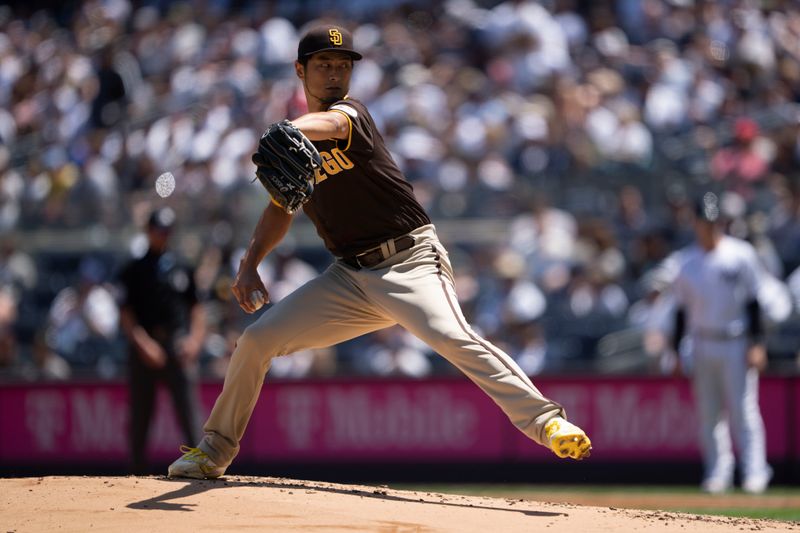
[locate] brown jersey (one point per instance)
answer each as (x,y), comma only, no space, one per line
(361,198)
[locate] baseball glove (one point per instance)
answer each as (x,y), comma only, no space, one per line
(285,163)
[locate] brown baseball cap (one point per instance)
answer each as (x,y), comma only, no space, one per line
(328,37)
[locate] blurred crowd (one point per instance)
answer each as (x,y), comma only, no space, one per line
(586,127)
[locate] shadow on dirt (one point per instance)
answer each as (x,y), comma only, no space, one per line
(190,487)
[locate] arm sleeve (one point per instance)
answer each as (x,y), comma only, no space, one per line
(753,274)
(754,324)
(680,328)
(678,290)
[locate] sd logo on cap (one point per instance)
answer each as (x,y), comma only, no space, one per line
(326,38)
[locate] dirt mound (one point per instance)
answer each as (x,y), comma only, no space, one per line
(156,504)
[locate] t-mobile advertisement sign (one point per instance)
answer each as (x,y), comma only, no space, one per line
(380,421)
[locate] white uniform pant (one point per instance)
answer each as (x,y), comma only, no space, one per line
(413,288)
(726,392)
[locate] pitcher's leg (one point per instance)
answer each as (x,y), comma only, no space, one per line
(420,295)
(327,310)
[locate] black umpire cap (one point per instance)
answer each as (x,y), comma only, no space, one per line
(708,208)
(162,218)
(328,37)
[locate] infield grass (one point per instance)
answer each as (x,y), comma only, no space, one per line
(777,503)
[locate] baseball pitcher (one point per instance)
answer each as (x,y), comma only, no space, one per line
(390,267)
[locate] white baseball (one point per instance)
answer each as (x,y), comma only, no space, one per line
(165,184)
(257,299)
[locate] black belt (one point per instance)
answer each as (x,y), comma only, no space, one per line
(379,254)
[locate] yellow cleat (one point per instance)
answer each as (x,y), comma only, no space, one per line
(195,463)
(567,439)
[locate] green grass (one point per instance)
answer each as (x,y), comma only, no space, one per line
(787,515)
(778,503)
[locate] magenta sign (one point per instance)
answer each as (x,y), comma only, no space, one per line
(375,420)
(642,419)
(628,419)
(63,422)
(649,419)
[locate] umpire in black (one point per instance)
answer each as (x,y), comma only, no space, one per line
(164,323)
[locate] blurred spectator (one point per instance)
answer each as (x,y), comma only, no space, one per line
(109,104)
(393,352)
(511,310)
(287,273)
(666,106)
(17,268)
(650,317)
(742,165)
(784,223)
(11,365)
(17,278)
(48,364)
(480,102)
(83,321)
(546,238)
(631,219)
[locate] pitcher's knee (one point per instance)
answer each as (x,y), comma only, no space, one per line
(256,343)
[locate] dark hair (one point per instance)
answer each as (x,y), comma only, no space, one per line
(304,60)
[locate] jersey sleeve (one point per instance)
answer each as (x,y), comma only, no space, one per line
(753,273)
(680,283)
(361,130)
(670,273)
(678,291)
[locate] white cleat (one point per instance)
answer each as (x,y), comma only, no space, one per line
(757,484)
(567,439)
(196,464)
(715,486)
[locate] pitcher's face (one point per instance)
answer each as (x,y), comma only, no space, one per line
(326,75)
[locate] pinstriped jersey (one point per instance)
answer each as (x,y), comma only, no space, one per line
(361,198)
(715,286)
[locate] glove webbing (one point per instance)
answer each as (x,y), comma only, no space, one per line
(284,141)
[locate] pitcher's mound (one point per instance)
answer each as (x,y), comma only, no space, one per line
(234,503)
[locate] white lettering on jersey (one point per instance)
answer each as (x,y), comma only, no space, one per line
(345,109)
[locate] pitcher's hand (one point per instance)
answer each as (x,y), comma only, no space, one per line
(249,290)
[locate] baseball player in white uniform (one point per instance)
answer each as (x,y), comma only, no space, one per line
(715,293)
